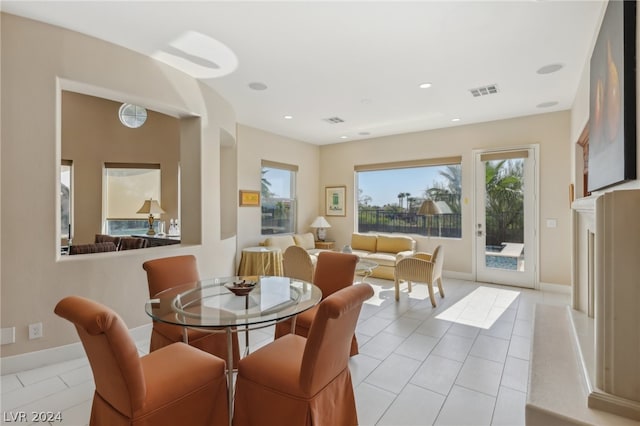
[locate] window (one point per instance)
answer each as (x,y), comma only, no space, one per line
(125,188)
(278,188)
(390,197)
(65,199)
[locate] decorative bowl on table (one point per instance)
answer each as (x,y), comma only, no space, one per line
(241,288)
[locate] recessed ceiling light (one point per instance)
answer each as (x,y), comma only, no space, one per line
(288,117)
(547,104)
(256,85)
(455,119)
(425,85)
(551,68)
(344,137)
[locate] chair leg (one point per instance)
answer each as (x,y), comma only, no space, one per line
(440,287)
(397,285)
(431,296)
(409,286)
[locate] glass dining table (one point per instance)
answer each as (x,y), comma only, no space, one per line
(233,304)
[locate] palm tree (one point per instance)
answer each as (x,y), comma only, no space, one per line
(505,198)
(265,185)
(400,197)
(449,192)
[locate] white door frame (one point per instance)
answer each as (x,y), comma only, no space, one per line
(535,243)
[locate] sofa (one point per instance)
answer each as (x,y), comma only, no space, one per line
(306,241)
(385,250)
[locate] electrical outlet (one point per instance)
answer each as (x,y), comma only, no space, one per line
(35,331)
(8,335)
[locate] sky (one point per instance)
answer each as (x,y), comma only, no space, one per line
(383,186)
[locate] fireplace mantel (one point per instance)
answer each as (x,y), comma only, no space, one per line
(606,286)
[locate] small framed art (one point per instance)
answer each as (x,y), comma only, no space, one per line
(335,200)
(249,198)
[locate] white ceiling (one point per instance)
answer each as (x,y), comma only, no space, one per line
(360,61)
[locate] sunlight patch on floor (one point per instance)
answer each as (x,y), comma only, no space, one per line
(481,308)
(384,290)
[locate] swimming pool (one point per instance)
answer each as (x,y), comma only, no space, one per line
(499,262)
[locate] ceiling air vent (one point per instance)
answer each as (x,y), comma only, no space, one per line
(333,120)
(484,90)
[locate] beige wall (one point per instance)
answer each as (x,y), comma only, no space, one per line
(550,131)
(93,135)
(38,61)
(256,145)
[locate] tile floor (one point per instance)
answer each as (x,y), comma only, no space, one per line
(463,363)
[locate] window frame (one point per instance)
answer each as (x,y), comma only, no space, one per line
(291,212)
(408,221)
(137,222)
(65,235)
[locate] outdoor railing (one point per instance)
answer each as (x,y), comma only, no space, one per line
(500,228)
(443,225)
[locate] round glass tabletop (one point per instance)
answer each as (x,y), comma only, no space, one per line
(212,303)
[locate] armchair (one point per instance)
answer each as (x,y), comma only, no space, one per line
(421,267)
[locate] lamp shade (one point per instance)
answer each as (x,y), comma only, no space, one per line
(320,222)
(429,207)
(150,206)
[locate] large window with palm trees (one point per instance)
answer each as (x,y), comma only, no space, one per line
(278,189)
(393,197)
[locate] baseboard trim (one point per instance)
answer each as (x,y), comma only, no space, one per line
(30,360)
(555,288)
(457,275)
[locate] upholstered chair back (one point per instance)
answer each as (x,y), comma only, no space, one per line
(92,248)
(334,271)
(326,353)
(112,353)
(104,238)
(132,243)
(297,263)
(168,272)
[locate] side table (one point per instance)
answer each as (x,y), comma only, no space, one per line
(261,261)
(325,245)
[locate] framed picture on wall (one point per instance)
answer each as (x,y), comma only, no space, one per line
(335,197)
(612,123)
(249,198)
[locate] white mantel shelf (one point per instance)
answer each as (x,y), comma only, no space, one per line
(585,204)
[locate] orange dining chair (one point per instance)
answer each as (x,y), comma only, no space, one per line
(334,271)
(167,272)
(423,268)
(301,381)
(174,385)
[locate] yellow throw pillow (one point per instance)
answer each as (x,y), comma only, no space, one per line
(387,244)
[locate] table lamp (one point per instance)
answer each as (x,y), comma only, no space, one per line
(429,208)
(321,224)
(151,207)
